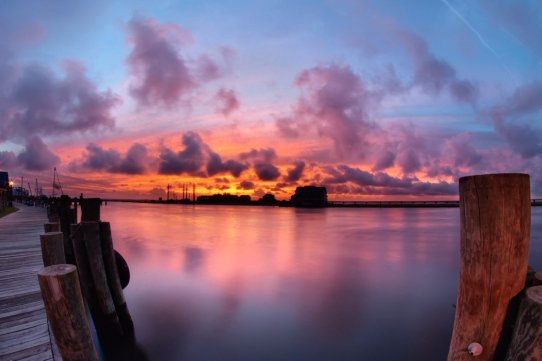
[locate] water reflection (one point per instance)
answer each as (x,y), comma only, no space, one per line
(247,283)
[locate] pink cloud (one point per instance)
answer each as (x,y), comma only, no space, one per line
(512,119)
(135,161)
(227,101)
(337,103)
(161,73)
(432,74)
(37,156)
(197,158)
(39,103)
(295,173)
(207,69)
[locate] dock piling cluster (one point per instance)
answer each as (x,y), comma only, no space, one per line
(92,255)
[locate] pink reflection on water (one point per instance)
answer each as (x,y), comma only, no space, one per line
(246,283)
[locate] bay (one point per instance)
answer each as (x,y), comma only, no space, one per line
(269,283)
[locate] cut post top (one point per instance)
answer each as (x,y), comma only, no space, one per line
(57,270)
(493,175)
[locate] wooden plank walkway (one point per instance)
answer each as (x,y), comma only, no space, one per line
(24,333)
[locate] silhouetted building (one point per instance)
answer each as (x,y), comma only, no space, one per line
(5,190)
(224,199)
(309,196)
(268,199)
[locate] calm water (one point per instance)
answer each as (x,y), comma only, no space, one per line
(255,283)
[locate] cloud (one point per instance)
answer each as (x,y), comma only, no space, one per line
(189,160)
(287,127)
(246,185)
(295,173)
(41,104)
(197,158)
(522,138)
(526,99)
(385,160)
(261,162)
(37,156)
(215,165)
(264,155)
(207,69)
(135,161)
(512,119)
(381,183)
(8,159)
(161,74)
(227,101)
(521,19)
(337,104)
(435,75)
(266,171)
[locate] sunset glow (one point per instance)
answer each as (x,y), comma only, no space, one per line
(372,99)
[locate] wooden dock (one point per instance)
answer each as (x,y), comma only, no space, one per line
(24,332)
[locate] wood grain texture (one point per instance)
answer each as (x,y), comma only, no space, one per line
(23,322)
(52,248)
(495,230)
(51,227)
(61,292)
(527,341)
(113,280)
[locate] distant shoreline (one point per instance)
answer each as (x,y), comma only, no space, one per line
(331,204)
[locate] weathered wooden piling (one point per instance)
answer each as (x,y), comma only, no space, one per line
(527,340)
(91,231)
(64,305)
(51,227)
(52,248)
(90,209)
(495,229)
(114,282)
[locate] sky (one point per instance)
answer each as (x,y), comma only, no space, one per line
(372,99)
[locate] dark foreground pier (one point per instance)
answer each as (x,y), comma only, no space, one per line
(24,333)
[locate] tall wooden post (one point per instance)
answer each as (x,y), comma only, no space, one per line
(52,248)
(51,227)
(90,209)
(64,305)
(114,282)
(495,229)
